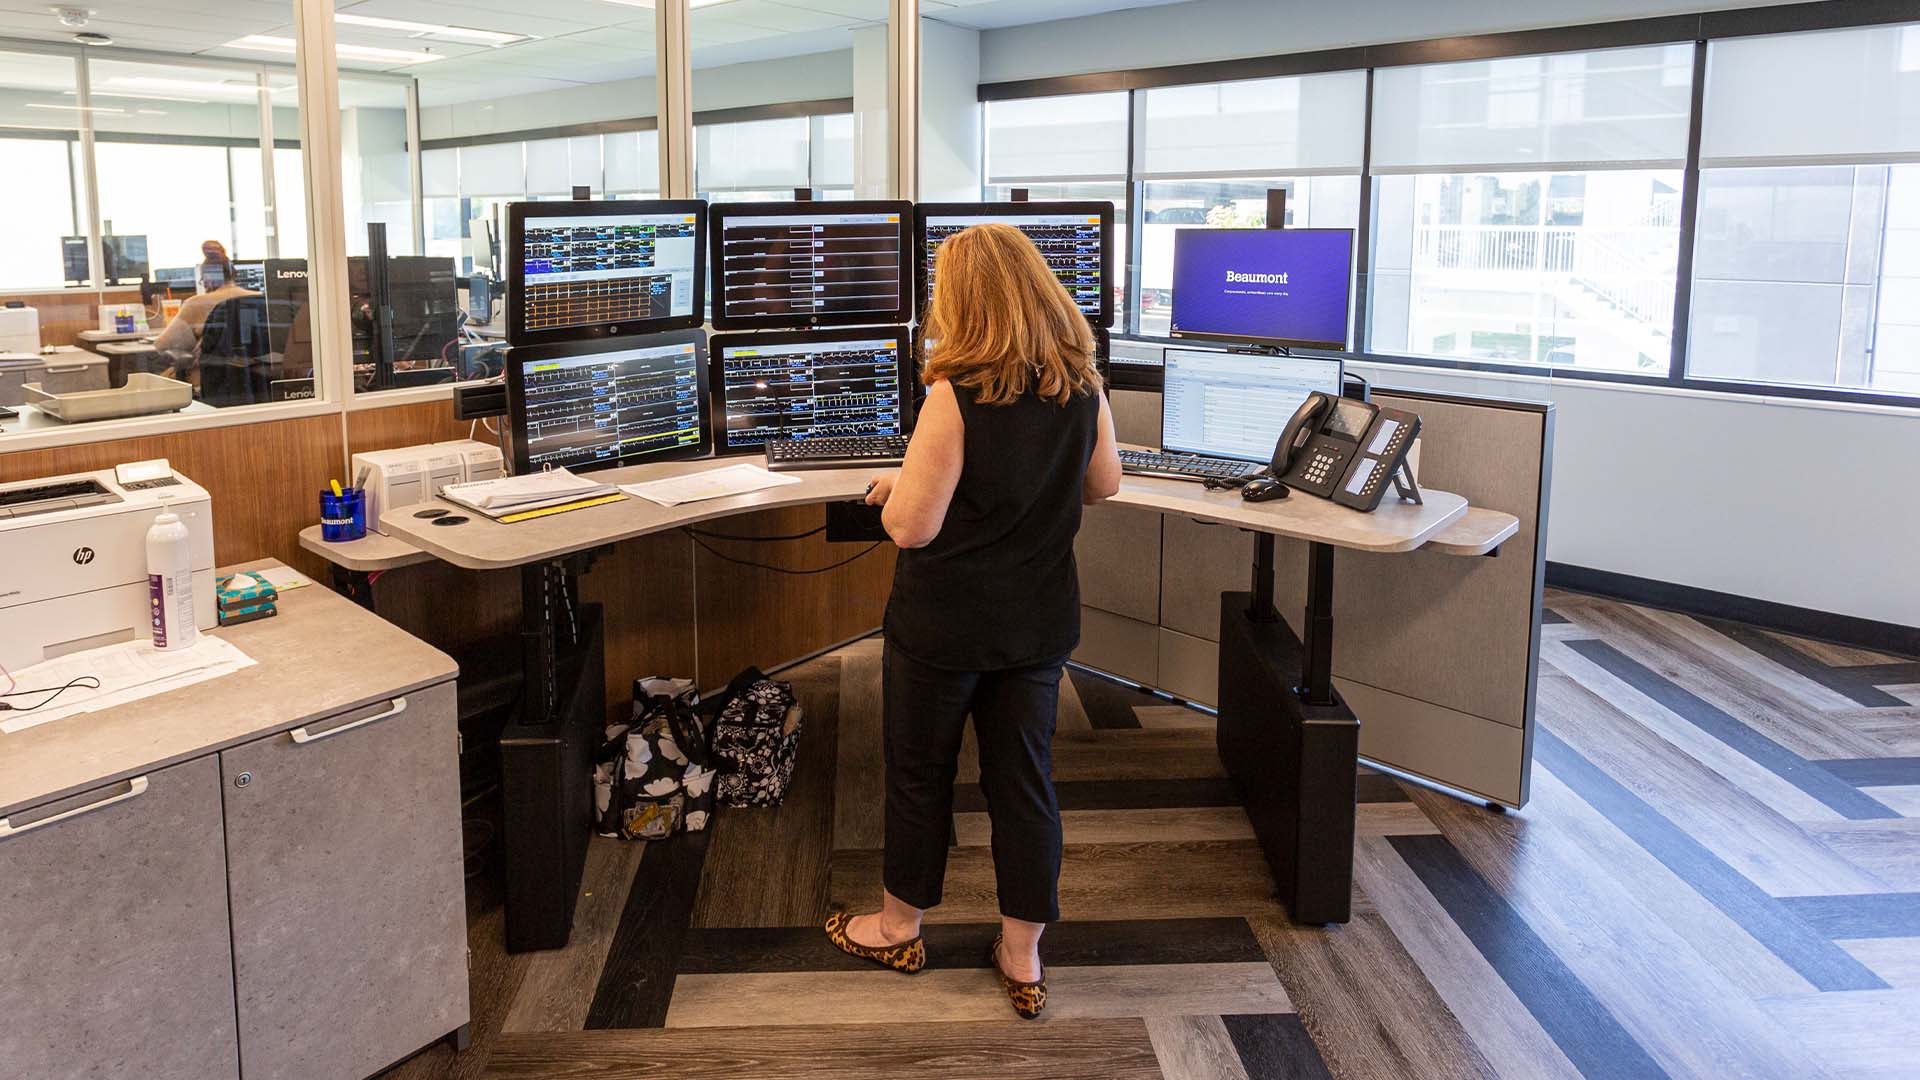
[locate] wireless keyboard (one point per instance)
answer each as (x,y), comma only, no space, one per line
(836,452)
(1185,466)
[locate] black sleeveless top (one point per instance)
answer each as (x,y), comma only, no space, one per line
(998,588)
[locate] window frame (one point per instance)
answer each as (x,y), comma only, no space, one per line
(1696,30)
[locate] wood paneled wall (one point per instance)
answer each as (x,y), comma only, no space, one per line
(265,478)
(65,313)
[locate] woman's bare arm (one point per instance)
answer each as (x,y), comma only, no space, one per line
(916,506)
(1103,469)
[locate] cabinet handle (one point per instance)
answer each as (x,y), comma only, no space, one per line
(302,736)
(135,787)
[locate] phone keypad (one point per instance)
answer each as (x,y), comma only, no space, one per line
(1319,470)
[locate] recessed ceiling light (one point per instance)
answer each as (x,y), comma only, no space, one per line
(285,46)
(74,108)
(247,90)
(140,97)
(92,38)
(495,38)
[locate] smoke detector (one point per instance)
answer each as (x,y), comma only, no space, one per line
(72,17)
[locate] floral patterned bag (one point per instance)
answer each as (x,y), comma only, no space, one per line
(654,777)
(756,740)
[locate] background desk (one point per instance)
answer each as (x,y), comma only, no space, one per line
(261,871)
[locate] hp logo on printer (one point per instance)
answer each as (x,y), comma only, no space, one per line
(82,556)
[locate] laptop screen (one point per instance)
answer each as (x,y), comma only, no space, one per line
(1231,405)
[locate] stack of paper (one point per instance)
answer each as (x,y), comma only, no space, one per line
(126,672)
(514,494)
(709,484)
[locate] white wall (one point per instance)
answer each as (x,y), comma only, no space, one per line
(1220,29)
(1790,502)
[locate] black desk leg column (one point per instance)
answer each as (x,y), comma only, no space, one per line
(1288,740)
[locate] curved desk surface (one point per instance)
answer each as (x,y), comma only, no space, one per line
(482,544)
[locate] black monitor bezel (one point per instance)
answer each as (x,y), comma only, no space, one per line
(518,215)
(716,238)
(716,364)
(1273,342)
(922,279)
(520,356)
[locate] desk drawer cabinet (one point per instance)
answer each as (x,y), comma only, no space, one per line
(349,917)
(114,956)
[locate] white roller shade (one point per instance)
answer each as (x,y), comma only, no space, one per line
(1257,127)
(1614,106)
(1835,94)
(633,162)
(833,150)
(1079,137)
(494,169)
(555,166)
(440,173)
(750,155)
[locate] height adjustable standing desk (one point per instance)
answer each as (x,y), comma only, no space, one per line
(1285,736)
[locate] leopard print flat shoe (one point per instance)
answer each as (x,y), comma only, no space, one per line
(908,957)
(1028,998)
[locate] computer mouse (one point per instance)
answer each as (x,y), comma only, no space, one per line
(1263,489)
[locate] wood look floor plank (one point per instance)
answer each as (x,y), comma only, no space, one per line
(1838,655)
(1897,960)
(1097,881)
(1119,754)
(1513,1043)
(1125,826)
(1071,720)
(1869,1035)
(1762,844)
(878,996)
(1894,732)
(1890,850)
(1194,1048)
(1558,816)
(1764,672)
(1004,1050)
(559,984)
(1172,718)
(767,866)
(1679,1009)
(859,790)
(1730,687)
(1366,1003)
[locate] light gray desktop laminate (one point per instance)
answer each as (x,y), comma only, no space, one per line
(116,960)
(349,924)
(483,544)
(321,655)
(370,554)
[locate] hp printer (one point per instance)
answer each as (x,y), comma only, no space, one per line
(73,560)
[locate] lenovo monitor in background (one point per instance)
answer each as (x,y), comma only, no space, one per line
(1281,287)
(578,270)
(809,384)
(1234,405)
(1076,239)
(802,264)
(602,404)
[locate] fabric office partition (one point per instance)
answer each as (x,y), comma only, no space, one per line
(1435,653)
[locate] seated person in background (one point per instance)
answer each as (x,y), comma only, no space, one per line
(180,341)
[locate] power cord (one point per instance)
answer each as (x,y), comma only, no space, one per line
(724,557)
(743,538)
(85,682)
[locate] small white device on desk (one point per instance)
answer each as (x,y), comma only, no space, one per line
(414,474)
(19,330)
(73,558)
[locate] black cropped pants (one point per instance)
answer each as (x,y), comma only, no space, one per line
(926,710)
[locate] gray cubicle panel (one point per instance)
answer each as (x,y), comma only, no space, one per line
(1435,653)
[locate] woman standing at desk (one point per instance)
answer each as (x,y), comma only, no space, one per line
(1015,437)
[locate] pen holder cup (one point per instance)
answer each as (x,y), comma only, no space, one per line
(343,516)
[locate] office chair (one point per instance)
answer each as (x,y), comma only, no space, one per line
(236,357)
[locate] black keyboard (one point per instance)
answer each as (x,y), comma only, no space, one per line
(836,452)
(1185,466)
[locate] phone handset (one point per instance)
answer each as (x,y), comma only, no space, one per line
(1307,419)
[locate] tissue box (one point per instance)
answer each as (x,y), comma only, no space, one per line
(244,598)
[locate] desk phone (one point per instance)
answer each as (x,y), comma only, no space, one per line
(1345,450)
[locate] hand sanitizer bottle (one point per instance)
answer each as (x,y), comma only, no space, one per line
(170,583)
